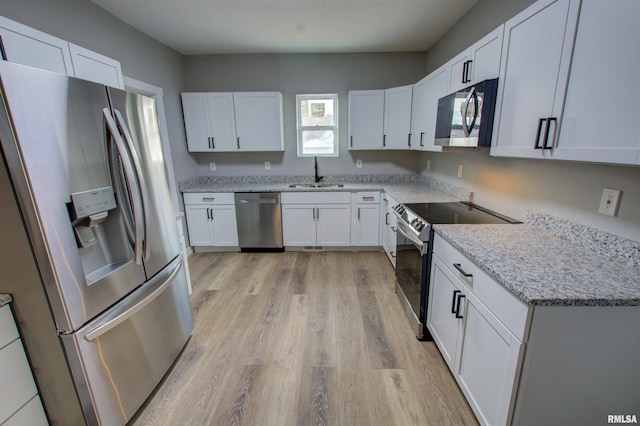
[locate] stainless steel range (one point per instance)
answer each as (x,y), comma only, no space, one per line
(414,249)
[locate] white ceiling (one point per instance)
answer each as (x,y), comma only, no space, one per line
(199,27)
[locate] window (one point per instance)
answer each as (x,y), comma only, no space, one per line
(317,125)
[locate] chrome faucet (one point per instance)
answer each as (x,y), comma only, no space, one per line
(315,166)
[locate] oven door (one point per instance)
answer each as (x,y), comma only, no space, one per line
(411,272)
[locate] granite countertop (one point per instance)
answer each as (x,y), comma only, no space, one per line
(403,189)
(543,269)
(5,299)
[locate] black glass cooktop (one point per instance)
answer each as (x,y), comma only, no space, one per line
(457,213)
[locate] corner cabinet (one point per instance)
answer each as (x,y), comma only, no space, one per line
(536,57)
(366,119)
(365,218)
(313,219)
(211,219)
(233,122)
(479,327)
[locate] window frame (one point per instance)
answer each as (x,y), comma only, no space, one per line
(300,128)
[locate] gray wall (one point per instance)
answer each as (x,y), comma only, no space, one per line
(512,186)
(294,74)
(142,58)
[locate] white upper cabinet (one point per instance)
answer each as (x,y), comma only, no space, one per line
(424,108)
(27,46)
(209,122)
(480,62)
(604,69)
(95,67)
(366,119)
(233,122)
(397,118)
(259,121)
(537,48)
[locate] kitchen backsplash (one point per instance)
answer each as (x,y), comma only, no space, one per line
(614,247)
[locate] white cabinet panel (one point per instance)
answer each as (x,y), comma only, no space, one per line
(480,62)
(198,218)
(316,218)
(95,67)
(366,119)
(209,122)
(334,224)
(298,225)
(224,226)
(536,54)
(8,329)
(32,414)
(365,225)
(397,118)
(436,88)
(17,386)
(259,121)
(603,70)
(211,222)
(27,46)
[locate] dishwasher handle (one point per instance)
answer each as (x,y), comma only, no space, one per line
(258,201)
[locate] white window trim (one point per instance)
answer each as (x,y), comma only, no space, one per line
(300,128)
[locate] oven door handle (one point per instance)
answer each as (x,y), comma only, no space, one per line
(420,245)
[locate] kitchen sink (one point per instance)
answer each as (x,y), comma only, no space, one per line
(316,185)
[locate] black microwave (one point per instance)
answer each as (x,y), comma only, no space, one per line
(465,118)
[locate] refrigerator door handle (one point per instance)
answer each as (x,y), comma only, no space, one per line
(144,192)
(133,188)
(157,285)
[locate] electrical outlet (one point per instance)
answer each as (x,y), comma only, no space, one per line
(609,202)
(358,164)
(212,167)
(267,165)
(460,171)
(428,164)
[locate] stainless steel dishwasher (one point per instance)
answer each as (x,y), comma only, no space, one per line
(259,221)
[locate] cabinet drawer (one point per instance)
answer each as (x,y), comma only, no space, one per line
(508,308)
(8,330)
(209,198)
(368,197)
(315,198)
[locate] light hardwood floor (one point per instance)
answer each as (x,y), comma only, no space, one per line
(301,338)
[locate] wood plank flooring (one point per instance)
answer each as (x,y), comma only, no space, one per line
(301,338)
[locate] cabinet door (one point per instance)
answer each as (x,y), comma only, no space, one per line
(441,321)
(397,117)
(485,57)
(458,72)
(488,363)
(536,51)
(365,225)
(195,108)
(602,72)
(334,224)
(299,224)
(95,67)
(222,122)
(436,88)
(259,121)
(198,225)
(419,113)
(224,225)
(27,46)
(366,119)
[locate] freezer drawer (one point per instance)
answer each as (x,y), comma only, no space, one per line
(119,358)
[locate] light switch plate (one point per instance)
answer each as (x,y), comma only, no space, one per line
(609,202)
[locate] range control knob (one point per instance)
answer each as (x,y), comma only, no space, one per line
(399,208)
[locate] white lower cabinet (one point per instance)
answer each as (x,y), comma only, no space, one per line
(211,219)
(365,219)
(316,219)
(478,327)
(388,227)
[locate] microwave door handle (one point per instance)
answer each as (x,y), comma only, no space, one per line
(133,188)
(476,112)
(464,110)
(144,192)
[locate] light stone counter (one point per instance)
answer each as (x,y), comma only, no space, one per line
(544,269)
(403,188)
(5,299)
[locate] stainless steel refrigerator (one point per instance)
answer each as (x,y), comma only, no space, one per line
(90,247)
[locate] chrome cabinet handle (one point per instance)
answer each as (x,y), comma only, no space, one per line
(462,271)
